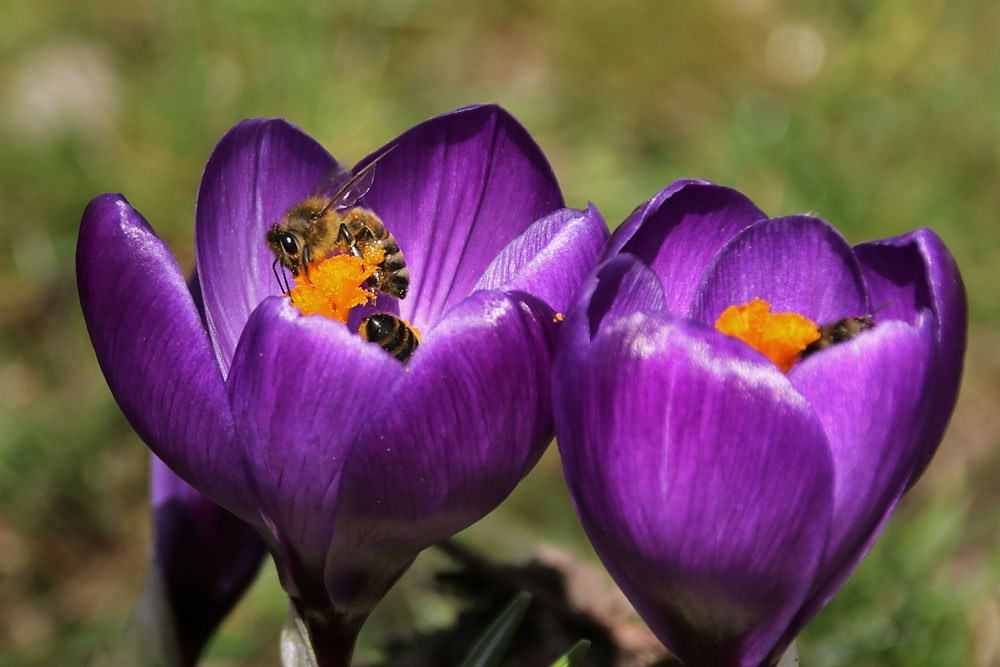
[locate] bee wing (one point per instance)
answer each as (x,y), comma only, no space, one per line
(345,190)
(332,186)
(354,188)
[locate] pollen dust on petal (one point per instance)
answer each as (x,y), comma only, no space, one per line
(780,336)
(333,287)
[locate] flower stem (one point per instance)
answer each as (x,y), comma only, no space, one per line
(332,644)
(317,638)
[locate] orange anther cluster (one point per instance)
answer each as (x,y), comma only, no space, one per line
(333,287)
(780,336)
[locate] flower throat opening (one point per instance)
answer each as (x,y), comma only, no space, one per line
(780,336)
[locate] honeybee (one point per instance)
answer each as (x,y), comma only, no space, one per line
(395,335)
(325,224)
(838,332)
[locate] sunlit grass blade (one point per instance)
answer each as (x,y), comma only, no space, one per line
(574,656)
(491,645)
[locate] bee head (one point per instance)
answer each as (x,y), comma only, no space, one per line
(286,246)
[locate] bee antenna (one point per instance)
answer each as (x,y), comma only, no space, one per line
(354,179)
(282,285)
(274,270)
(881,308)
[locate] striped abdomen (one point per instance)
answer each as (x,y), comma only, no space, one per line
(838,332)
(394,334)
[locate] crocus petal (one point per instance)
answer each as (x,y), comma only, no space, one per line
(208,557)
(619,287)
(867,393)
(301,388)
(678,232)
(871,394)
(906,274)
(258,170)
(454,191)
(551,258)
(615,289)
(715,556)
(445,444)
(798,264)
(153,349)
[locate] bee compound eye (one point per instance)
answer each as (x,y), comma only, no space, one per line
(288,244)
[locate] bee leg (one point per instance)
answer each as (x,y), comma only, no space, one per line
(345,234)
(349,240)
(363,238)
(305,262)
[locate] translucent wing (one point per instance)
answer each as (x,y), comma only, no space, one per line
(345,190)
(332,182)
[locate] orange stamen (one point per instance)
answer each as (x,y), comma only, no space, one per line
(333,287)
(780,336)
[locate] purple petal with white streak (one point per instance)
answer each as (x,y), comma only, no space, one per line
(551,258)
(702,479)
(154,350)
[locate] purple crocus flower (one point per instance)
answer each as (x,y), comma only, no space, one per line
(205,559)
(730,500)
(348,461)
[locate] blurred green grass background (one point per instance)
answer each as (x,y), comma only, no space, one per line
(878,115)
